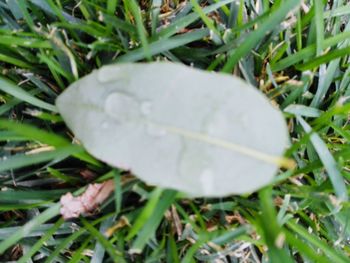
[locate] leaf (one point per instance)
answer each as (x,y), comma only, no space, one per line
(86,203)
(205,134)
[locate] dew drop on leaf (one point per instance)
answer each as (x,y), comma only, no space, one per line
(146,108)
(121,107)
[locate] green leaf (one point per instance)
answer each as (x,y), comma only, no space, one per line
(177,127)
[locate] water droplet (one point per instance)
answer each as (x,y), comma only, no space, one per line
(155,130)
(207,181)
(244,120)
(105,125)
(121,107)
(146,107)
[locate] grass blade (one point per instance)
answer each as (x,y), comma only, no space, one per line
(334,256)
(255,37)
(328,160)
(152,223)
(22,160)
(165,45)
(29,226)
(17,92)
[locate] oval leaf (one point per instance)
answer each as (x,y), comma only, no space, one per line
(173,126)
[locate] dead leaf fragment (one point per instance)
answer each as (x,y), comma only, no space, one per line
(122,222)
(88,174)
(95,194)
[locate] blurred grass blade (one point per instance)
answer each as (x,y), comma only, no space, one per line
(49,233)
(256,36)
(271,230)
(308,52)
(164,45)
(153,222)
(22,160)
(99,250)
(328,160)
(136,12)
(24,42)
(29,226)
(115,255)
(208,22)
(146,213)
(305,250)
(38,195)
(17,92)
(333,255)
(316,62)
(111,6)
(319,25)
(183,22)
(33,133)
(47,6)
(63,229)
(232,234)
(15,61)
(118,196)
(303,110)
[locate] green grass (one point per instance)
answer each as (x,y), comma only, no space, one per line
(297,55)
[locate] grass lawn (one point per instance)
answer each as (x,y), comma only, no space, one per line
(296,53)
